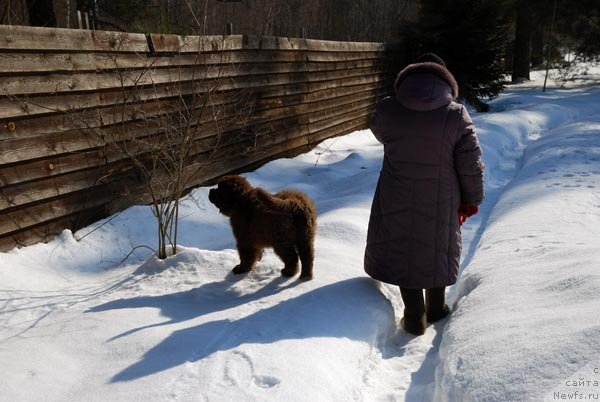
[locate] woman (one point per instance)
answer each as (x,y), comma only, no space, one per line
(431,181)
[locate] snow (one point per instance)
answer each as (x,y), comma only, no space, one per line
(573,74)
(91,316)
(526,321)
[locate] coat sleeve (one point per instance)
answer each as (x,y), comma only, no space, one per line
(467,161)
(376,124)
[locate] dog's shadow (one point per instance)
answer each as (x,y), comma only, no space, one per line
(352,309)
(186,305)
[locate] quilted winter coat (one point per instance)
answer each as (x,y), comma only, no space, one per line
(432,163)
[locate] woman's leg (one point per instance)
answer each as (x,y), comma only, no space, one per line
(435,304)
(414,320)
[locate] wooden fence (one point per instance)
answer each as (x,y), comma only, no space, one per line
(57,86)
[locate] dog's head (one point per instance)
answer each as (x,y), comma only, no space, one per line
(228,193)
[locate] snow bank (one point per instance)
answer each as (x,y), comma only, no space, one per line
(526,323)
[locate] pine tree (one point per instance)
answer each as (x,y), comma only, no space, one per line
(579,23)
(471,36)
(523,36)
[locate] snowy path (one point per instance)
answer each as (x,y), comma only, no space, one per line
(526,327)
(76,325)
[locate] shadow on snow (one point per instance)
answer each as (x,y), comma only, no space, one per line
(352,309)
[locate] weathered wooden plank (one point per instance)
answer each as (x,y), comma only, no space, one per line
(51,166)
(344,82)
(46,231)
(50,147)
(164,43)
(19,220)
(25,105)
(11,108)
(209,76)
(15,196)
(18,63)
(136,112)
(102,165)
(73,104)
(35,127)
(57,39)
(365,104)
(183,44)
(337,46)
(282,124)
(42,234)
(47,145)
(357,121)
(319,107)
(273,97)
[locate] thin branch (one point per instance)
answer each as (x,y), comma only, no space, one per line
(109,220)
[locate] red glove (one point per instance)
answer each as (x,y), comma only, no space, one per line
(466,211)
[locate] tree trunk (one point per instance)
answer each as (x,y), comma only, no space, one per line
(537,47)
(41,13)
(522,45)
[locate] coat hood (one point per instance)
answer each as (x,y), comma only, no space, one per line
(425,86)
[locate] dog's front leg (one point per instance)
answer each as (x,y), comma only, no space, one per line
(248,257)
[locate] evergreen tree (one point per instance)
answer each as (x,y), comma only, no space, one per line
(579,23)
(524,30)
(542,33)
(471,36)
(41,13)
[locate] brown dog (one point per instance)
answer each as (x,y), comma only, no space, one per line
(285,221)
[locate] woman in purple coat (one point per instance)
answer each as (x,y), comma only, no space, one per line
(431,181)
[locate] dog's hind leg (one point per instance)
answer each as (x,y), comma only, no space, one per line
(307,254)
(289,256)
(248,257)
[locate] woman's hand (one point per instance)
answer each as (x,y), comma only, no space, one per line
(466,211)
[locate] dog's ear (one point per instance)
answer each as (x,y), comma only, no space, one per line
(236,185)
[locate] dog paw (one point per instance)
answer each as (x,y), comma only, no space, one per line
(306,277)
(240,269)
(287,272)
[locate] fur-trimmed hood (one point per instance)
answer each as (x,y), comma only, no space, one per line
(425,86)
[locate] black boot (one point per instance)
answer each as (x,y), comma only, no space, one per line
(414,320)
(435,304)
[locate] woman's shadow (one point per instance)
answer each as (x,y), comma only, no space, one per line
(352,309)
